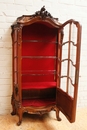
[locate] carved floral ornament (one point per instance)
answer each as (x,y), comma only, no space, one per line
(43,14)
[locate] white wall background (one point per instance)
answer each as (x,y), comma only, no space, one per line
(62,9)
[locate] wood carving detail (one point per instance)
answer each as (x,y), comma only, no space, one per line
(43,14)
(16,89)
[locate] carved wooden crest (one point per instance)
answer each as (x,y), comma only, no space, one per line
(43,14)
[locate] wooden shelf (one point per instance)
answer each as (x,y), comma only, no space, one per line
(39,41)
(40,57)
(38,72)
(38,85)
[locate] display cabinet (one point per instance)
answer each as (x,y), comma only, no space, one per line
(45,62)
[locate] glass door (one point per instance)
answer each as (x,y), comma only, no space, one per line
(68,68)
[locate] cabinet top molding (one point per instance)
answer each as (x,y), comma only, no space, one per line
(42,15)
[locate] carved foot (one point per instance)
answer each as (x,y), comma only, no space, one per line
(19,112)
(19,123)
(59,119)
(13,113)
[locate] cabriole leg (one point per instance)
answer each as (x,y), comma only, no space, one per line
(20,113)
(57,114)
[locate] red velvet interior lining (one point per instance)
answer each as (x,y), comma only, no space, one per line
(38,32)
(38,102)
(36,78)
(38,40)
(38,64)
(39,48)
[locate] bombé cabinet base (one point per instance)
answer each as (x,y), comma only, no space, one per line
(32,110)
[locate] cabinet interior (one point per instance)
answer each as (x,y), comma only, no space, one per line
(39,64)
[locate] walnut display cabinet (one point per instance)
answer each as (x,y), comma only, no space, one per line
(46,58)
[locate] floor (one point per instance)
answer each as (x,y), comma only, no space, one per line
(45,122)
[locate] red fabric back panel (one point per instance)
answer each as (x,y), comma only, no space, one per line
(38,64)
(41,78)
(38,40)
(38,48)
(39,31)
